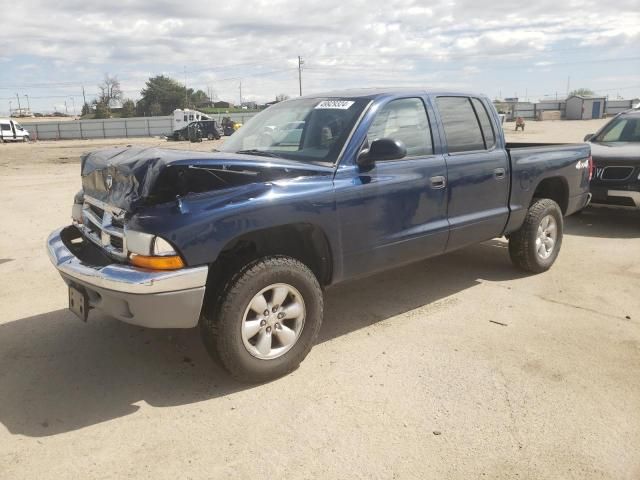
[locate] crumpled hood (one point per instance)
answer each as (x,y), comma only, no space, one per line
(126,177)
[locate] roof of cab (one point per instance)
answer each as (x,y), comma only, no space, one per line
(372,93)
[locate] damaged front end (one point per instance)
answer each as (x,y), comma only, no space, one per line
(118,183)
(123,255)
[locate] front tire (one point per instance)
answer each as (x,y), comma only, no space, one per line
(535,246)
(266,319)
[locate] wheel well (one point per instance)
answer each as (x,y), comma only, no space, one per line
(556,189)
(303,241)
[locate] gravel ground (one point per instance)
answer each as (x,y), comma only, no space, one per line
(456,367)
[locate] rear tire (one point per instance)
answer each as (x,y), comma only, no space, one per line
(228,329)
(535,246)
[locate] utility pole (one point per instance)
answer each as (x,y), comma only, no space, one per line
(66,109)
(10,105)
(300,63)
(19,108)
(240,93)
(28,103)
(186,94)
(568,85)
(73,102)
(84,96)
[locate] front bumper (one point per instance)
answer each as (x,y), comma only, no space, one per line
(616,196)
(156,299)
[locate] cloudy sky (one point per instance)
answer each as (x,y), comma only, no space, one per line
(51,49)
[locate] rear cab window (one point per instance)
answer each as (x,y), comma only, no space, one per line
(466,123)
(485,123)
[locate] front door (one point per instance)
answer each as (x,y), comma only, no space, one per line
(396,212)
(595,110)
(478,172)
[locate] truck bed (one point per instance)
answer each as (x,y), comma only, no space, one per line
(563,167)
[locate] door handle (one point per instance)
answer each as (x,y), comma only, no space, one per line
(438,182)
(499,173)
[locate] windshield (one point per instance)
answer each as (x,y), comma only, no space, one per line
(306,129)
(622,129)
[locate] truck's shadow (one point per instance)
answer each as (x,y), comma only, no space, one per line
(59,375)
(604,223)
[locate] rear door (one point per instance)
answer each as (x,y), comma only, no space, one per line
(396,212)
(478,171)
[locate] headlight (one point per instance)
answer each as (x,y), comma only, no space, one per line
(138,242)
(162,248)
(149,251)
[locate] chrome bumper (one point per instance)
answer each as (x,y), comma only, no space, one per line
(157,299)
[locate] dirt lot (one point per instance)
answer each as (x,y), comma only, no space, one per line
(455,367)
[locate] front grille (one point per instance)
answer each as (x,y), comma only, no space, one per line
(104,225)
(614,173)
(117,243)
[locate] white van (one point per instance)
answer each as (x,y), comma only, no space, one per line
(182,118)
(11,131)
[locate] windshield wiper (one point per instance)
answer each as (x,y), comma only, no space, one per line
(255,151)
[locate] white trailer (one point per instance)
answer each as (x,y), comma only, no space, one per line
(183,117)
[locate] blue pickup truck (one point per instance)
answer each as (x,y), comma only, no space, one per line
(242,242)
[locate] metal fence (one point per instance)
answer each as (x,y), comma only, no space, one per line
(613,107)
(108,128)
(529,110)
(114,127)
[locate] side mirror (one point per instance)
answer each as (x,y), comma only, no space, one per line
(588,136)
(382,149)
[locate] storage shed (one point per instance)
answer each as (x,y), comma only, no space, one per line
(584,108)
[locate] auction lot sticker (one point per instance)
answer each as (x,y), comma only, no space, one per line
(335,104)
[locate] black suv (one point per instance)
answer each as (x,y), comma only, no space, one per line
(616,155)
(196,131)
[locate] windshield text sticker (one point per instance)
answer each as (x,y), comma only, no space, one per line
(335,104)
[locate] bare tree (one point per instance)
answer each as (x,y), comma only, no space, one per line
(281,97)
(110,89)
(585,92)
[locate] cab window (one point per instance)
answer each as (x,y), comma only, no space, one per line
(405,120)
(461,127)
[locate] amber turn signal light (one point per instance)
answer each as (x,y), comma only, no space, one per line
(168,262)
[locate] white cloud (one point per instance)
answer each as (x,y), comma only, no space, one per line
(344,43)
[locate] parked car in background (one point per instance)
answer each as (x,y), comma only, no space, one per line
(11,131)
(242,242)
(616,155)
(196,131)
